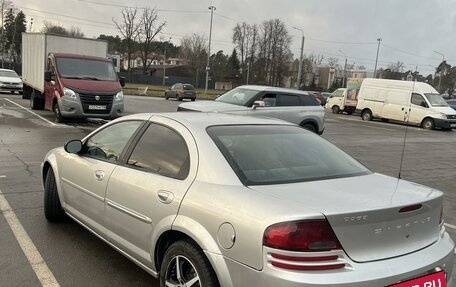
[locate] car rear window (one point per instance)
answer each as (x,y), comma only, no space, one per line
(274,154)
(188,87)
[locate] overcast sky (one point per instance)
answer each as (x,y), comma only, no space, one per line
(411,29)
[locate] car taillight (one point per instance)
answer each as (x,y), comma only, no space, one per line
(307,235)
(308,245)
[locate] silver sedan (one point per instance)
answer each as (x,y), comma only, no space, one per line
(201,199)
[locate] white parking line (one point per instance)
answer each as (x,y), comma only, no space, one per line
(35,114)
(450,226)
(40,267)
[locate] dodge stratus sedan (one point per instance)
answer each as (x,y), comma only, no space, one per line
(204,199)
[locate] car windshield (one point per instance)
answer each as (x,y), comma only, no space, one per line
(188,87)
(436,100)
(274,154)
(86,69)
(8,74)
(238,96)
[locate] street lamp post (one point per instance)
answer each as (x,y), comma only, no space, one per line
(298,84)
(376,58)
(440,74)
(164,62)
(344,83)
(212,8)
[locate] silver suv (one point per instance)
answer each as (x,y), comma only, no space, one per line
(263,101)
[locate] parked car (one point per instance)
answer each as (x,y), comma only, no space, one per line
(413,103)
(452,103)
(262,101)
(10,81)
(181,91)
(318,96)
(206,199)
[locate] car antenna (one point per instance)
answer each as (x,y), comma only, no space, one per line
(407,119)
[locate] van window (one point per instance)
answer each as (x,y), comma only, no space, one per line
(418,100)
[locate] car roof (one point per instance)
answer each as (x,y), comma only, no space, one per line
(199,120)
(7,70)
(272,89)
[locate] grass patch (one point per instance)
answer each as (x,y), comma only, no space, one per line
(159,91)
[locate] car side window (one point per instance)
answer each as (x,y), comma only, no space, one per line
(309,100)
(163,151)
(269,100)
(418,100)
(108,144)
(289,100)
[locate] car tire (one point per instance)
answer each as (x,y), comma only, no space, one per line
(335,109)
(428,124)
(57,114)
(310,128)
(193,266)
(52,208)
(366,115)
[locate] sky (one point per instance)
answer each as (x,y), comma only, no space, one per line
(412,31)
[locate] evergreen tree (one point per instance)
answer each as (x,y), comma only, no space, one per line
(234,65)
(21,26)
(9,28)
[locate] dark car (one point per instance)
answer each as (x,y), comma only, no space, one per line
(181,91)
(452,103)
(318,96)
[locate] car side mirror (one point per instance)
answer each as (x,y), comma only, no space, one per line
(48,76)
(331,96)
(122,81)
(73,146)
(257,104)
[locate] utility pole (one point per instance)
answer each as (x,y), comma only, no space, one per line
(248,73)
(298,84)
(164,62)
(376,59)
(344,82)
(440,73)
(212,8)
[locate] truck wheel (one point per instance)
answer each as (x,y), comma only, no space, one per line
(52,208)
(428,124)
(58,116)
(35,102)
(185,265)
(367,115)
(335,109)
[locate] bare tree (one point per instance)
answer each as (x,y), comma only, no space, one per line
(150,28)
(244,38)
(75,32)
(396,67)
(332,61)
(129,28)
(50,28)
(193,49)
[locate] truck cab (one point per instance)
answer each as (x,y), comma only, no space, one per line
(78,86)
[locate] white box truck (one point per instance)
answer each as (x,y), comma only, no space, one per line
(345,99)
(71,76)
(413,103)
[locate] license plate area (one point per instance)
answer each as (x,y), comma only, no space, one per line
(437,279)
(97,107)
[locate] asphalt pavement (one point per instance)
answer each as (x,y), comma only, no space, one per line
(71,256)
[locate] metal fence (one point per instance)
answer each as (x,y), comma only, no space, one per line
(170,80)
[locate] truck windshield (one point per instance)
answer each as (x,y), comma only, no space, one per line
(436,100)
(86,69)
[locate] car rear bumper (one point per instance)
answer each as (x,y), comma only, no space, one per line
(373,274)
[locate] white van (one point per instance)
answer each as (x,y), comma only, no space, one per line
(413,103)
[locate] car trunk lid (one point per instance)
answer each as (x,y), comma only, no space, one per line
(374,217)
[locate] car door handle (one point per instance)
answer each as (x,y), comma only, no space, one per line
(165,196)
(99,175)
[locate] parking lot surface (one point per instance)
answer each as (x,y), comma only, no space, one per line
(44,254)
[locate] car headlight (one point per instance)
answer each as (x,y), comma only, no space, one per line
(70,94)
(119,96)
(443,116)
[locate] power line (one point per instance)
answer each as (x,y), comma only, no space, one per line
(408,53)
(111,27)
(157,9)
